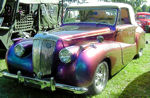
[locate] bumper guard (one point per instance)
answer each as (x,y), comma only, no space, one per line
(44,83)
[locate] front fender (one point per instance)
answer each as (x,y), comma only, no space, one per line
(87,63)
(81,71)
(89,59)
(15,63)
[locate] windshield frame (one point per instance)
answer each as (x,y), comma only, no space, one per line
(91,23)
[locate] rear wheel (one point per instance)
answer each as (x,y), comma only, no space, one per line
(100,78)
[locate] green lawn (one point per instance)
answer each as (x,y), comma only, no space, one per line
(132,81)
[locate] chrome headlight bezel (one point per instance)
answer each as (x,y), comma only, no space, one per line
(65,56)
(19,50)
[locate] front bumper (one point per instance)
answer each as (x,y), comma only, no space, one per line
(45,83)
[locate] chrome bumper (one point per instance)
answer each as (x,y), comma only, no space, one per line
(45,84)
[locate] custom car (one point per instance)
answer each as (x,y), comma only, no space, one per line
(94,42)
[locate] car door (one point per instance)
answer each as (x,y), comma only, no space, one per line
(125,34)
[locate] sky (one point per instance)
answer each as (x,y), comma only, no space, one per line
(148,2)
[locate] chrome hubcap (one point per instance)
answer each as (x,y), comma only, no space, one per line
(101,76)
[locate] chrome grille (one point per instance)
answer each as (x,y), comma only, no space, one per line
(43,55)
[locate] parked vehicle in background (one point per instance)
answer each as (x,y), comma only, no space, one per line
(24,18)
(94,42)
(144,20)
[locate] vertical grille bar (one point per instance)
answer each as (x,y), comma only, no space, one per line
(47,56)
(36,54)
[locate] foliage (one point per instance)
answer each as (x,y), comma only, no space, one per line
(134,3)
(145,8)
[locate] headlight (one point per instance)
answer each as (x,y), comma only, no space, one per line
(65,55)
(19,50)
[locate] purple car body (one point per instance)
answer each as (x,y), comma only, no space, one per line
(78,56)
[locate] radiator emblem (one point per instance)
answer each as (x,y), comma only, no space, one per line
(48,45)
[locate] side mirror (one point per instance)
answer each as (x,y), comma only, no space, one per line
(100,39)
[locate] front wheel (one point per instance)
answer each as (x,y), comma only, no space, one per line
(100,78)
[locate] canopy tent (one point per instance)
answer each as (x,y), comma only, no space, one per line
(3,2)
(39,1)
(2,5)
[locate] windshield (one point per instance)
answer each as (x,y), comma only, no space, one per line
(143,17)
(91,15)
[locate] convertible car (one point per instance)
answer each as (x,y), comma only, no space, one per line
(94,42)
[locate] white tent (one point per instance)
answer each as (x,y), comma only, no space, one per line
(39,1)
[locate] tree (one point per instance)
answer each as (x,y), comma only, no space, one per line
(145,8)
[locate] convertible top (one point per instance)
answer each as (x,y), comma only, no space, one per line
(101,4)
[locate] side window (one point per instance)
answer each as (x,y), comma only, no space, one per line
(124,16)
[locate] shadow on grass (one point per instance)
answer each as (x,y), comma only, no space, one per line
(11,89)
(140,87)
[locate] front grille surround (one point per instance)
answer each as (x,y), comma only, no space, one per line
(43,54)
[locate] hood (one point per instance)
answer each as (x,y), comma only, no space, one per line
(69,32)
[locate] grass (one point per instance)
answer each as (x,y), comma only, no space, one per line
(132,81)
